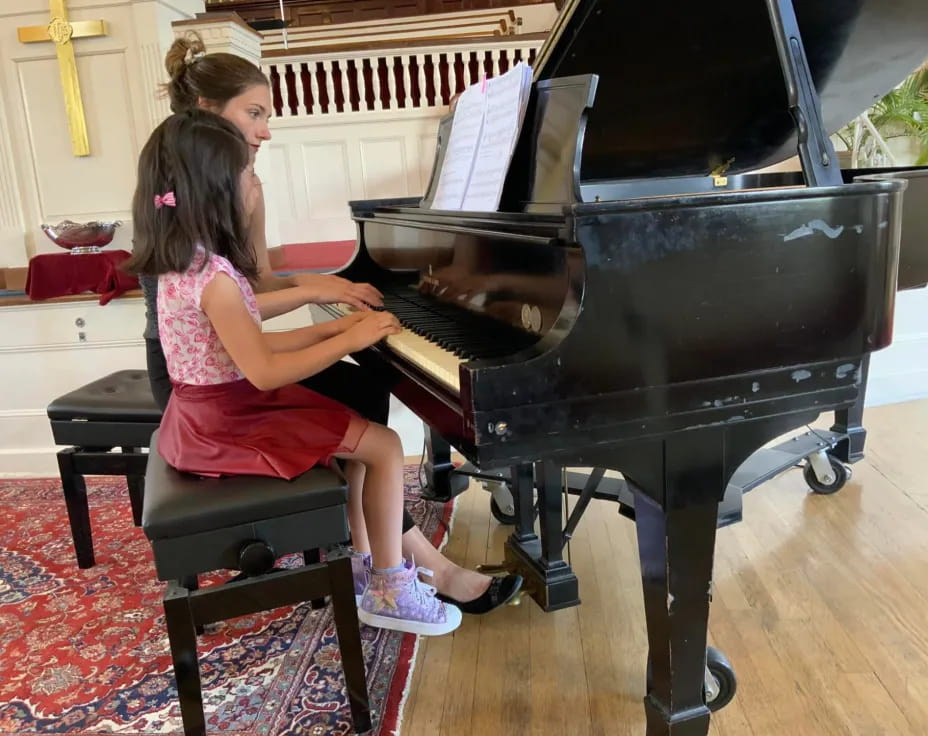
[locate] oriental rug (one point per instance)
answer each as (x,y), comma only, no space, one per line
(86,651)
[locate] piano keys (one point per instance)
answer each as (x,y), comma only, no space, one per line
(635,305)
(438,337)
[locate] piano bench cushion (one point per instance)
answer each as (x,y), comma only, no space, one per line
(196,525)
(118,409)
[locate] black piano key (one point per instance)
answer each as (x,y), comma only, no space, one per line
(463,333)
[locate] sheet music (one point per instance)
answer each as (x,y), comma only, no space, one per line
(456,169)
(487,121)
(507,97)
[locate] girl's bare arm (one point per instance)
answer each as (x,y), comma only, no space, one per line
(252,352)
(304,337)
(274,303)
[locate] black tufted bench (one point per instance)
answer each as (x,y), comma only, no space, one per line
(115,411)
(198,525)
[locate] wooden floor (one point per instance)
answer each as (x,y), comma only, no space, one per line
(821,604)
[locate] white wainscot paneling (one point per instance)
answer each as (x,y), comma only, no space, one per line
(326,178)
(427,146)
(385,167)
(284,194)
(312,168)
(42,356)
(48,350)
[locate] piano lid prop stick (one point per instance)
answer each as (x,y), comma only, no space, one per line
(283,23)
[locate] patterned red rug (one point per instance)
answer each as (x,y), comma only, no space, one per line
(86,651)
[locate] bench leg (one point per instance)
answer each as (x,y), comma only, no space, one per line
(75,497)
(192,583)
(182,636)
(136,484)
(312,557)
(341,583)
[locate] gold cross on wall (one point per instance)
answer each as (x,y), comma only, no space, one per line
(61,32)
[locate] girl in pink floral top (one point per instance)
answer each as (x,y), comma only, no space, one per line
(236,407)
(193,349)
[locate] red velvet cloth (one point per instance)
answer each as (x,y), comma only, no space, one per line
(62,274)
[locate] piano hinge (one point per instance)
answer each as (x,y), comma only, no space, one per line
(718,173)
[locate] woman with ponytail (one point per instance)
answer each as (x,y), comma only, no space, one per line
(238,91)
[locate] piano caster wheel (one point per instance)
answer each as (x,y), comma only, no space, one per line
(721,682)
(506,519)
(501,504)
(831,473)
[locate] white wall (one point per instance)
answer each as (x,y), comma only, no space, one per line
(41,181)
(900,372)
(312,167)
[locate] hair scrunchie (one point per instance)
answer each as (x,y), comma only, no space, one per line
(191,57)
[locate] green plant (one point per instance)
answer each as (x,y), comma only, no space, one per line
(902,112)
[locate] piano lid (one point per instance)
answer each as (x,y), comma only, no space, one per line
(685,87)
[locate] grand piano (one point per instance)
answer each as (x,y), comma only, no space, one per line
(641,302)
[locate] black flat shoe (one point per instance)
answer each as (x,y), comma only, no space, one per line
(501,591)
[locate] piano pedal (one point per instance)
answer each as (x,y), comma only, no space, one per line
(523,593)
(498,568)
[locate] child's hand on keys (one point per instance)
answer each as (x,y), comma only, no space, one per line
(371,328)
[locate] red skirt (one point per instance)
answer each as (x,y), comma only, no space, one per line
(237,429)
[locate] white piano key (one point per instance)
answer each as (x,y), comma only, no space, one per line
(426,356)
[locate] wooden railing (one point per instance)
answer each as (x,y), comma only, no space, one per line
(471,24)
(391,78)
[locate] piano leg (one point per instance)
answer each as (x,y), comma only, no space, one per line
(523,500)
(441,481)
(676,549)
(850,422)
(678,484)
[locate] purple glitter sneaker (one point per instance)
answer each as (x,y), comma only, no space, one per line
(402,602)
(361,571)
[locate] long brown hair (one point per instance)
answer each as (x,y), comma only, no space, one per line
(198,157)
(216,78)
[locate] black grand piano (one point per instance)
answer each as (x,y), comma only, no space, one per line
(644,304)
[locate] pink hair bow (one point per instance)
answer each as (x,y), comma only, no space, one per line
(167,199)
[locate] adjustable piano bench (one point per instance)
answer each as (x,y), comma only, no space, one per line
(199,525)
(115,411)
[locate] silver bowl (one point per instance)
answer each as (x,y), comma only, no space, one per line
(81,237)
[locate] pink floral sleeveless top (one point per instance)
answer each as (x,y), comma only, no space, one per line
(192,349)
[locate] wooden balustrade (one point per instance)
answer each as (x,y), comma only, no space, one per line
(394,78)
(473,24)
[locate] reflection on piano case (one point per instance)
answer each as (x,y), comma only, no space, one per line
(642,304)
